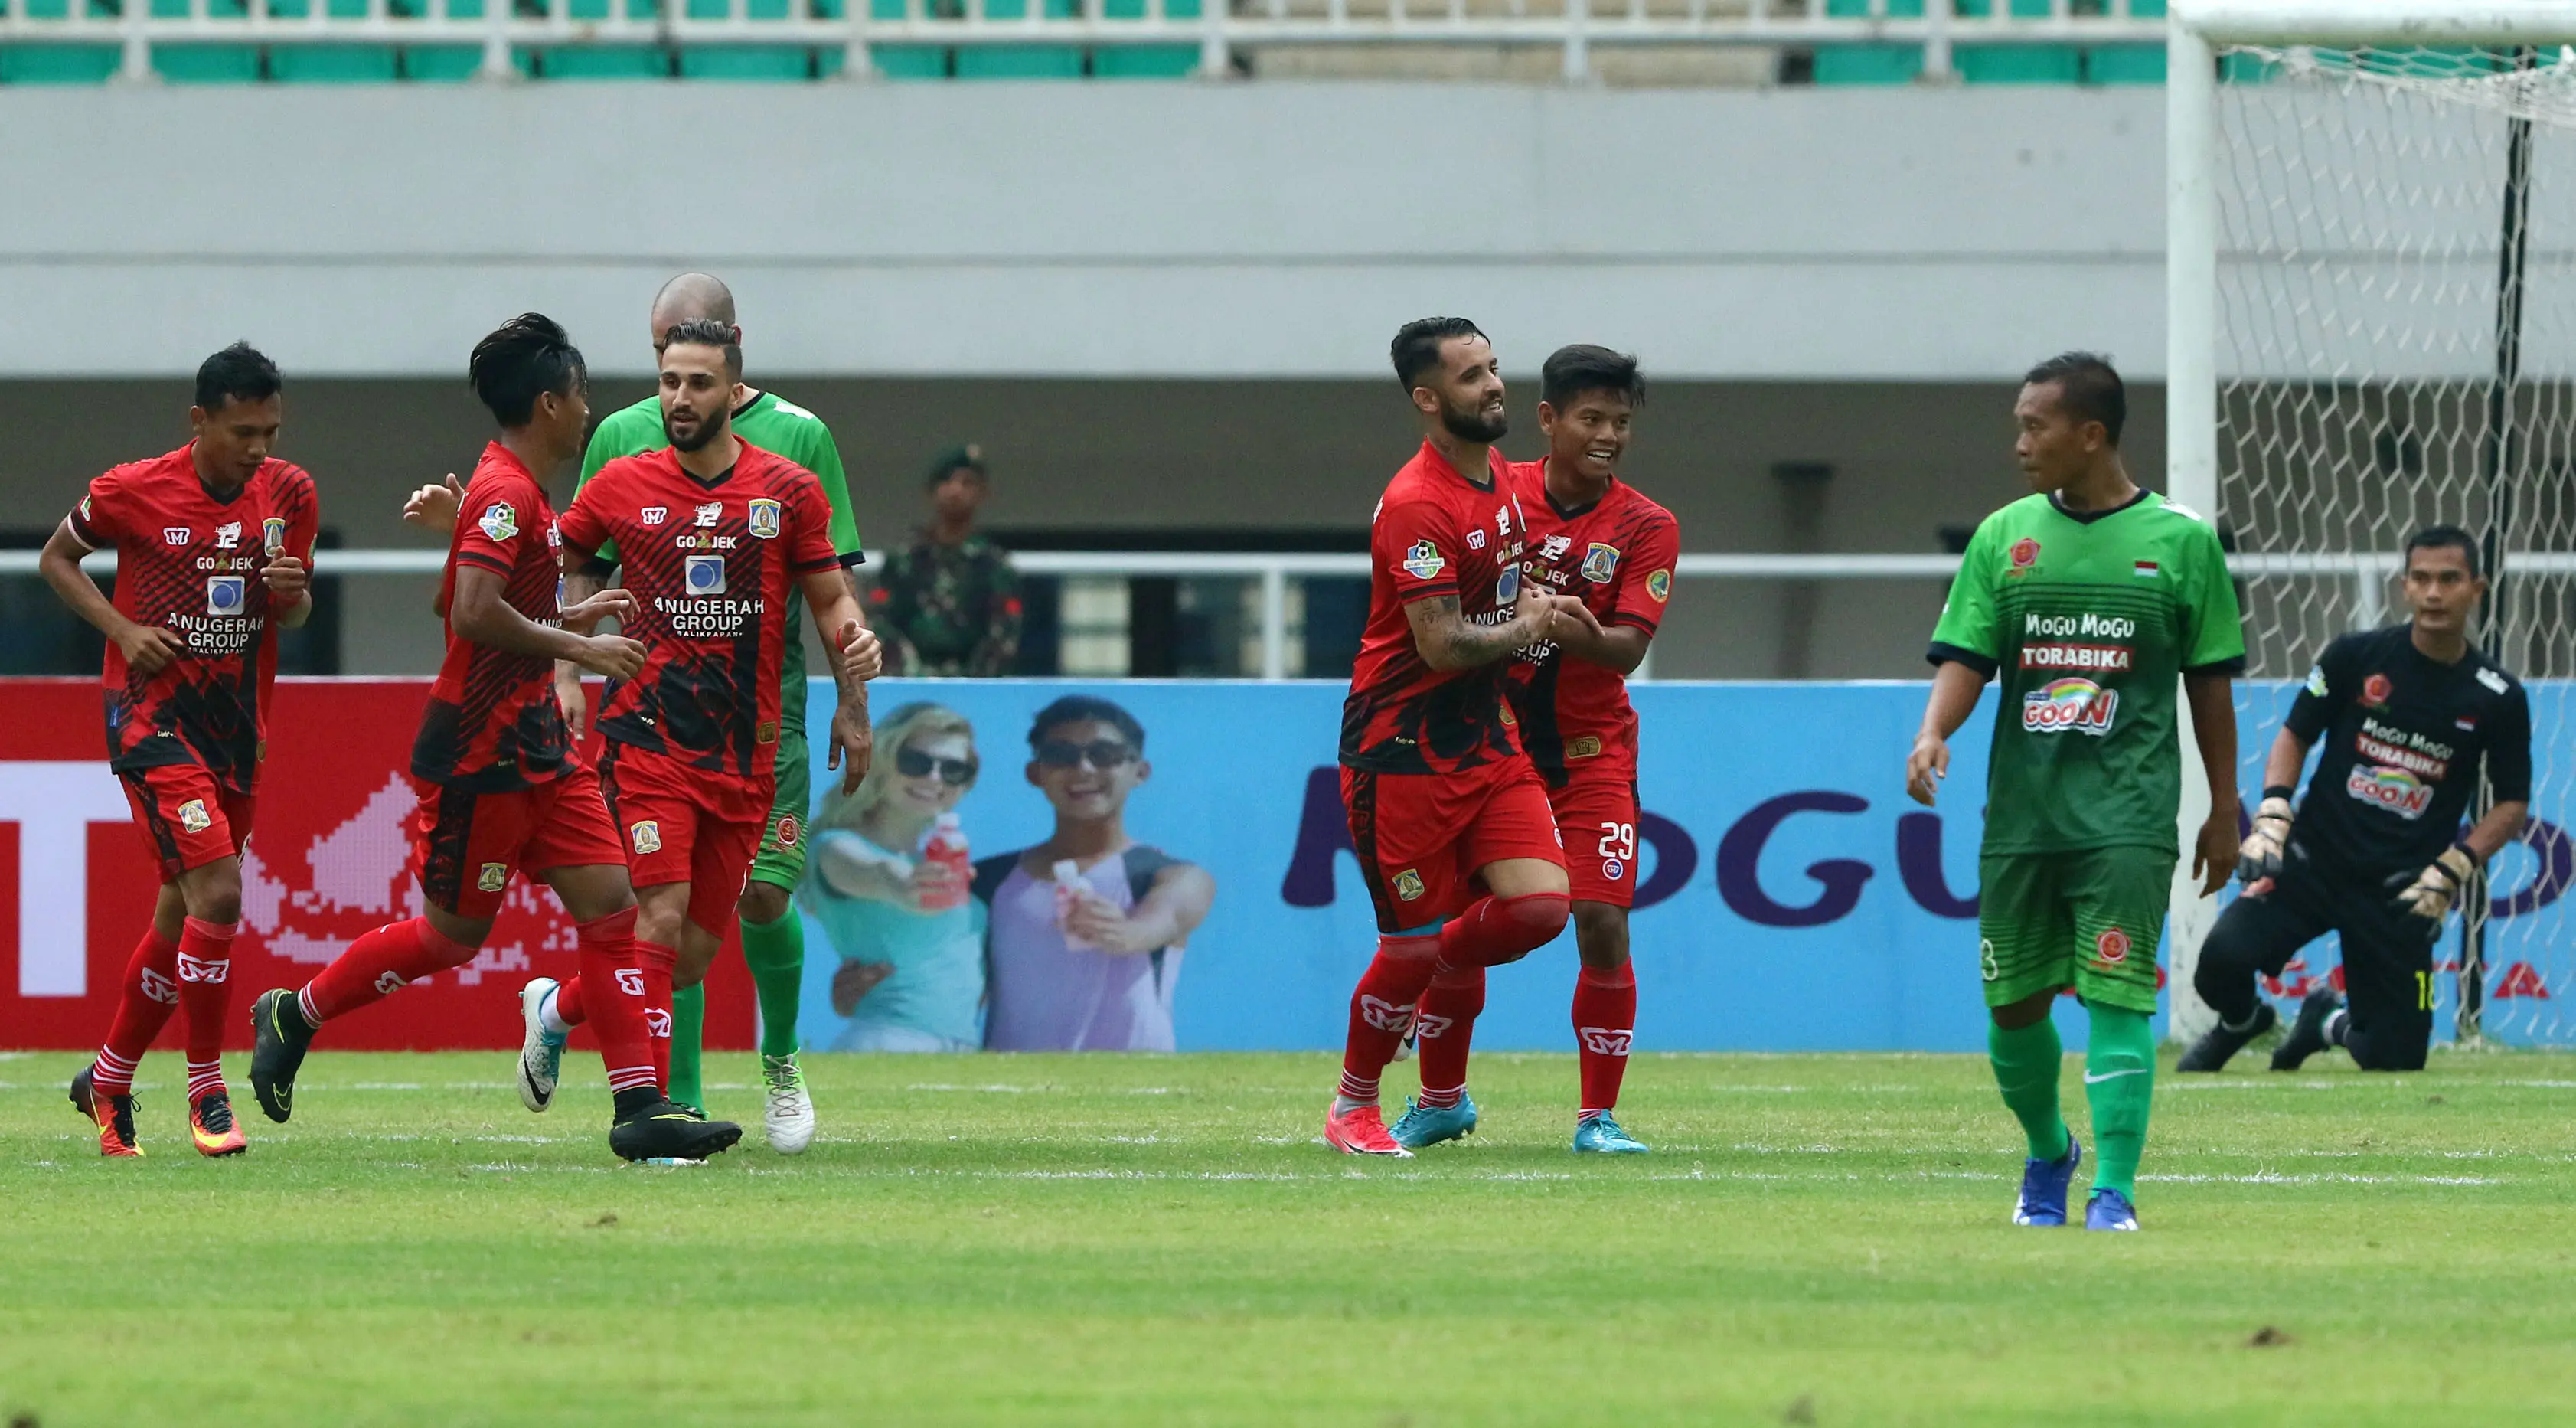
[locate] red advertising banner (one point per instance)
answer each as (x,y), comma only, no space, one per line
(326,862)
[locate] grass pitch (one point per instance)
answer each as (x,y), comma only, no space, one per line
(1165,1240)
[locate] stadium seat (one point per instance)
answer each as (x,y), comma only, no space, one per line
(2125,64)
(603,62)
(58,64)
(337,9)
(601,9)
(1869,64)
(207,64)
(747,62)
(1022,61)
(2017,64)
(334,64)
(446,63)
(1144,61)
(907,61)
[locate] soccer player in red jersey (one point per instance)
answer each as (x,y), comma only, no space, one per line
(1449,819)
(1595,538)
(714,536)
(502,789)
(214,546)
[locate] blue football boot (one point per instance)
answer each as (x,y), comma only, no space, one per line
(2109,1210)
(1601,1135)
(1429,1125)
(2044,1184)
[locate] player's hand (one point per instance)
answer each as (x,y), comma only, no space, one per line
(1572,617)
(852,981)
(1926,767)
(615,656)
(1532,612)
(573,699)
(2214,852)
(2260,856)
(287,580)
(861,654)
(434,508)
(149,647)
(2430,893)
(616,603)
(852,745)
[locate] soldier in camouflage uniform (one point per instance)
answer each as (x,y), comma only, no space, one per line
(949,602)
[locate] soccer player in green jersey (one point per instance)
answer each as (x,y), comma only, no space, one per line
(2087,599)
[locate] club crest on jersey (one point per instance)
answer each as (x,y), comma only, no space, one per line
(226,594)
(1659,586)
(710,513)
(228,535)
(2070,703)
(272,534)
(2375,691)
(493,877)
(2025,554)
(704,575)
(1408,885)
(2111,948)
(1600,562)
(653,515)
(2395,790)
(789,830)
(193,816)
(1586,747)
(174,535)
(1423,561)
(764,519)
(499,521)
(645,837)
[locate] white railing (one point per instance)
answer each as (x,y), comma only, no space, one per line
(1220,29)
(2366,573)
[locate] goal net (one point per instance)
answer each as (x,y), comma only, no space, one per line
(2396,347)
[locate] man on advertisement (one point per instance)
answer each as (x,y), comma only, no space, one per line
(214,545)
(2089,598)
(2410,716)
(1595,538)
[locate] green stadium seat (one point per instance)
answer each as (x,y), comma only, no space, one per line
(2125,64)
(334,64)
(1135,9)
(2017,64)
(337,9)
(601,9)
(1019,62)
(604,62)
(1868,64)
(1144,61)
(747,62)
(215,9)
(58,64)
(910,61)
(207,64)
(446,64)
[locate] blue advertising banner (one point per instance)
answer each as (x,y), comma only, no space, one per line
(1791,898)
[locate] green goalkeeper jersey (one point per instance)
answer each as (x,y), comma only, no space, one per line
(771,423)
(2089,619)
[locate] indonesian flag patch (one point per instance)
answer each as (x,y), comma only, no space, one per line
(2144,570)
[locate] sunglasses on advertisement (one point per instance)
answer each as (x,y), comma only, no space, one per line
(1102,754)
(913,763)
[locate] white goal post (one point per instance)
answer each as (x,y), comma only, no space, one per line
(2360,340)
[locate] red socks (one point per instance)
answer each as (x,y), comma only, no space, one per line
(145,998)
(1605,1020)
(205,965)
(656,962)
(608,959)
(376,966)
(1446,1025)
(1496,930)
(1382,1007)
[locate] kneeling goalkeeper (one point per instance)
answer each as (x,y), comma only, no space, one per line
(2408,715)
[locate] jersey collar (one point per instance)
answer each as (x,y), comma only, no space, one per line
(2086,518)
(1495,467)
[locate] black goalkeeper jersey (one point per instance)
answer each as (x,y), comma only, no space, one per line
(2403,737)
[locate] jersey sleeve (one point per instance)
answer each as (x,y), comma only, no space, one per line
(822,456)
(99,521)
(2329,684)
(302,506)
(609,442)
(809,546)
(2509,755)
(496,516)
(584,532)
(2213,629)
(1418,544)
(1646,578)
(1968,632)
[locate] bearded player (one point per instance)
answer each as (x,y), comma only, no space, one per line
(503,791)
(1449,820)
(2089,598)
(2409,716)
(714,536)
(1593,537)
(214,546)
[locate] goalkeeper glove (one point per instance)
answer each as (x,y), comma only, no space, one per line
(2430,893)
(2260,857)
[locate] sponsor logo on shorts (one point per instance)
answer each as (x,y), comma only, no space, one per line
(493,877)
(764,519)
(499,521)
(704,575)
(654,515)
(2395,790)
(388,983)
(2069,703)
(630,980)
(1659,586)
(226,594)
(1586,747)
(1408,885)
(646,836)
(1600,562)
(2112,947)
(1611,868)
(1423,561)
(157,988)
(1385,1015)
(204,971)
(1606,1040)
(789,830)
(2024,555)
(272,534)
(193,816)
(2375,691)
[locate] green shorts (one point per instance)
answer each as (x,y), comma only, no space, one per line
(2090,920)
(781,862)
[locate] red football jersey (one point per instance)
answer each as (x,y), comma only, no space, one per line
(1435,533)
(712,566)
(1615,555)
(189,560)
(492,721)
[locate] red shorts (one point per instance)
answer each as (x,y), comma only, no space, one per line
(1596,815)
(686,825)
(188,820)
(465,845)
(1422,837)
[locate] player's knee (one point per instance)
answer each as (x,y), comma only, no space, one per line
(1528,922)
(1601,935)
(2384,1052)
(2029,1011)
(214,895)
(762,903)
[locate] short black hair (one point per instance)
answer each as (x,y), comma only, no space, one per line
(1079,708)
(969,457)
(1416,348)
(707,332)
(2447,538)
(520,361)
(1572,371)
(239,372)
(2089,388)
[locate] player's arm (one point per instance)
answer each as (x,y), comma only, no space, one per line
(434,507)
(146,647)
(1619,647)
(1966,651)
(1171,910)
(585,576)
(2259,856)
(855,657)
(1956,686)
(2508,773)
(2212,697)
(1618,640)
(288,570)
(481,612)
(1448,640)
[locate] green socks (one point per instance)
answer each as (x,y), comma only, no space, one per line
(688,1029)
(776,954)
(2026,1065)
(2120,1084)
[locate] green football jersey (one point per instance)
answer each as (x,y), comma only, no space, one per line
(2089,620)
(772,424)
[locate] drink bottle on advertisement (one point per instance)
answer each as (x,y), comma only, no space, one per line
(947,848)
(1069,888)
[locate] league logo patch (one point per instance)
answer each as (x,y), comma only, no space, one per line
(174,535)
(2025,554)
(1408,885)
(493,877)
(710,513)
(2317,680)
(704,575)
(764,519)
(499,521)
(2375,691)
(1660,586)
(272,534)
(226,594)
(646,837)
(228,535)
(1600,562)
(1613,869)
(789,830)
(2111,948)
(654,515)
(1423,561)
